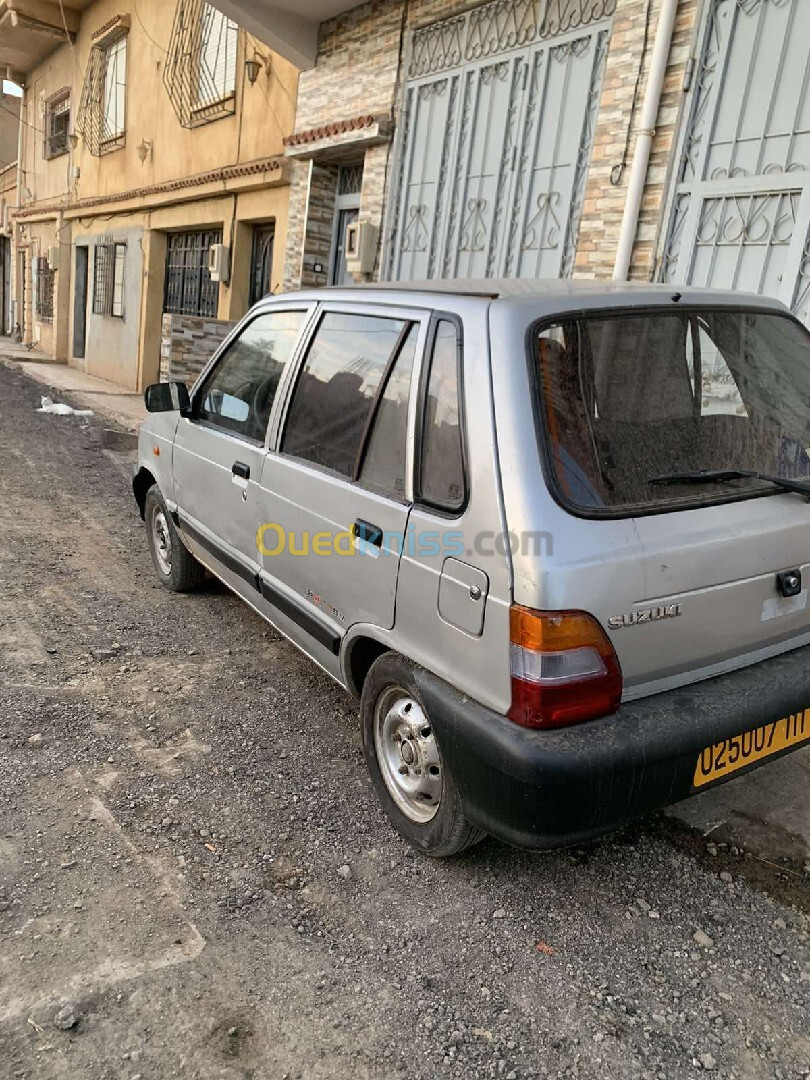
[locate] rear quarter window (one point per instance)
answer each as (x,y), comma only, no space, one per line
(441,473)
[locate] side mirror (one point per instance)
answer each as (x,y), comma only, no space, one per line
(167,397)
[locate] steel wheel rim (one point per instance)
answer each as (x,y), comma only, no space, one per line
(163,542)
(408,755)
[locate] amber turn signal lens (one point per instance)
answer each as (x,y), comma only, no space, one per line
(556,631)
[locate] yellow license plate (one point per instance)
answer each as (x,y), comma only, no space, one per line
(727,757)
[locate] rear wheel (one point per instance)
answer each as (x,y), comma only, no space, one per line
(176,567)
(413,783)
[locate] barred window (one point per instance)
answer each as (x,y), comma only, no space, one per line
(44,290)
(113,100)
(57,125)
(189,288)
(218,44)
(108,279)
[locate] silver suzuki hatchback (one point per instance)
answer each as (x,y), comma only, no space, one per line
(553,535)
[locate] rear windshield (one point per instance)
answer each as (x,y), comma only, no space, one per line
(628,398)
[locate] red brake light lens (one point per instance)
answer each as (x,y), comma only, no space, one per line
(564,669)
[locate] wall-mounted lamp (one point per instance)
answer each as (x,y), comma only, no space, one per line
(144,150)
(74,140)
(254,66)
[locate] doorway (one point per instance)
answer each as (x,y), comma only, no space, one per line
(80,303)
(5,286)
(261,262)
(347,211)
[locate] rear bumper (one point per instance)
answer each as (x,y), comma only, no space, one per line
(549,789)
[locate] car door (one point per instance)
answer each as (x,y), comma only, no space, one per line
(336,495)
(219,447)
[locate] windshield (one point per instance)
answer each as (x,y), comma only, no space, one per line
(630,398)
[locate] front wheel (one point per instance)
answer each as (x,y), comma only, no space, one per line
(413,783)
(176,567)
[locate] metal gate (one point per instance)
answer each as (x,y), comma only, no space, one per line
(495,140)
(740,215)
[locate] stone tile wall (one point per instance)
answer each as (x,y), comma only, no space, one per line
(603,206)
(187,344)
(359,72)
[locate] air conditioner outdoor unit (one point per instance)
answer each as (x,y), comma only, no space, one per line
(219,263)
(53,257)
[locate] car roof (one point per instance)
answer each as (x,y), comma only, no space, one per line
(543,296)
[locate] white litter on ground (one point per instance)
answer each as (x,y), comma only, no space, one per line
(50,406)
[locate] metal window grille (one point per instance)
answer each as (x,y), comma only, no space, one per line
(44,291)
(189,288)
(57,126)
(201,65)
(350,179)
(108,279)
(102,108)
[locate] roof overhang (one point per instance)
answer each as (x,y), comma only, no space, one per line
(31,29)
(282,25)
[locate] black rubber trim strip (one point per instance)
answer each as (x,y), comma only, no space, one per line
(316,629)
(235,565)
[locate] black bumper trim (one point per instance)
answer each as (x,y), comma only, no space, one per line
(550,789)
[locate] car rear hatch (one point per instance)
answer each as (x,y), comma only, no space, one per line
(665,433)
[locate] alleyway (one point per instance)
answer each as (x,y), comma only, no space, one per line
(196,880)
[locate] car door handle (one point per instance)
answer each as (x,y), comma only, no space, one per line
(371,534)
(241,470)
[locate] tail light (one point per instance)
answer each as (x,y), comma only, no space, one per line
(564,669)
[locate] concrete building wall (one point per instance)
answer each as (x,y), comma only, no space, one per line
(113,340)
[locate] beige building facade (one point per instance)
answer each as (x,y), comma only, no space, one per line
(153,179)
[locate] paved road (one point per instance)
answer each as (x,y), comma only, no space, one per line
(181,792)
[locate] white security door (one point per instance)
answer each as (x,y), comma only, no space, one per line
(495,141)
(740,213)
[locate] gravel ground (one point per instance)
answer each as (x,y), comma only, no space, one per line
(196,881)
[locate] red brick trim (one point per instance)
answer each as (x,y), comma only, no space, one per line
(325,131)
(59,95)
(230,172)
(118,22)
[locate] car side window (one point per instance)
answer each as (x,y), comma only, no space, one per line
(239,393)
(348,360)
(441,474)
(383,463)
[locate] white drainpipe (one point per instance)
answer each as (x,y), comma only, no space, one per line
(641,155)
(19,288)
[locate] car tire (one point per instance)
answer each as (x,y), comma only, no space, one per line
(413,783)
(174,564)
